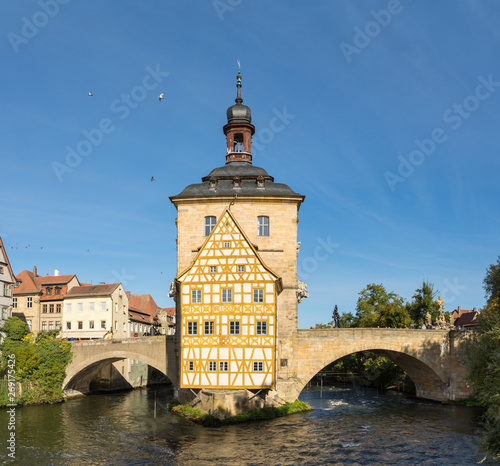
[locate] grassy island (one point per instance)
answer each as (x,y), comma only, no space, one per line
(200,417)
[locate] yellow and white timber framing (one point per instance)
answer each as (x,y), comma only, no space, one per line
(228,313)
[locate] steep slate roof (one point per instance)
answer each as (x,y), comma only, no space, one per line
(4,253)
(248,175)
(92,290)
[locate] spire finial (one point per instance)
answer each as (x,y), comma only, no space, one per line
(238,99)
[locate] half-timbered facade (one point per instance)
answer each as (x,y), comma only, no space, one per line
(228,309)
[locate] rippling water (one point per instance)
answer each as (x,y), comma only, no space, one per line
(345,427)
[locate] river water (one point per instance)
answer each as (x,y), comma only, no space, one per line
(347,426)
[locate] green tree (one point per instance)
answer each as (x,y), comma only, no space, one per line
(484,360)
(423,302)
(377,308)
(15,328)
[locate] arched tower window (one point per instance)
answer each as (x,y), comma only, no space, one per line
(209,224)
(262,225)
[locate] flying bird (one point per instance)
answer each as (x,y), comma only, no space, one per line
(90,94)
(152,178)
(160,97)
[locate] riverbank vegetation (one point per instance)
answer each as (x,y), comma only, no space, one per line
(200,417)
(32,368)
(484,361)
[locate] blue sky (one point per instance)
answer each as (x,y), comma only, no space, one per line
(390,115)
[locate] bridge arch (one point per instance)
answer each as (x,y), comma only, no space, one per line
(91,357)
(424,356)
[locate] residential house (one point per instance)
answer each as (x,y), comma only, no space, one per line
(166,318)
(464,318)
(38,300)
(141,310)
(7,280)
(95,311)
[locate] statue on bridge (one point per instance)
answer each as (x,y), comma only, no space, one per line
(336,317)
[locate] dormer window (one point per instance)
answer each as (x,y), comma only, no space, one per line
(48,290)
(57,291)
(236,182)
(213,183)
(260,182)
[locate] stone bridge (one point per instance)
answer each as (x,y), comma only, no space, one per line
(433,359)
(90,357)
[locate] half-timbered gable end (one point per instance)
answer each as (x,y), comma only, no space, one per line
(228,313)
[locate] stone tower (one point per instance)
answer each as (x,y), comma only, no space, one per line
(266,212)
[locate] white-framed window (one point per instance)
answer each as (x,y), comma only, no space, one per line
(124,326)
(44,326)
(29,302)
(14,303)
(192,327)
(103,306)
(91,324)
(80,325)
(58,325)
(103,324)
(227,244)
(234,327)
(212,366)
(51,325)
(227,295)
(261,327)
(258,366)
(196,297)
(223,366)
(209,327)
(68,325)
(91,307)
(209,224)
(68,307)
(79,307)
(213,269)
(190,365)
(29,324)
(262,225)
(258,295)
(241,268)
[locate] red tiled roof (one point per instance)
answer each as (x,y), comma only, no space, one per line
(54,279)
(92,290)
(143,303)
(27,283)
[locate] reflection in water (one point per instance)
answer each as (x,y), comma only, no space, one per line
(345,427)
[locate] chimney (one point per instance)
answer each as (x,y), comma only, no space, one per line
(34,271)
(56,272)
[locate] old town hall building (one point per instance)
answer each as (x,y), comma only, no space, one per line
(236,270)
